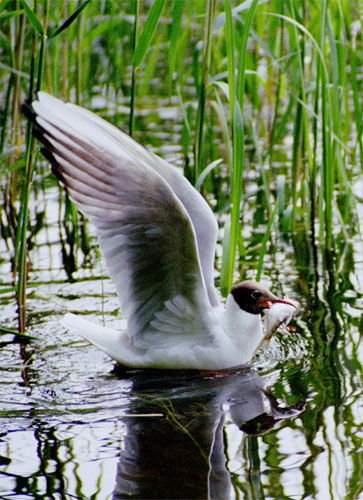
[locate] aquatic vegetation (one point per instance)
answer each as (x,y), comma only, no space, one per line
(260,103)
(267,111)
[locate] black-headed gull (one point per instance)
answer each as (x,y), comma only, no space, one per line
(158,236)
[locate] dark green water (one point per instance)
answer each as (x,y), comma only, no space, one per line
(290,427)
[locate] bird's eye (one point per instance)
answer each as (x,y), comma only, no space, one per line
(256,294)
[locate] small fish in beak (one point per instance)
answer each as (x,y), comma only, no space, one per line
(279,313)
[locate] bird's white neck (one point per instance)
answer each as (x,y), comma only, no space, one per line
(245,330)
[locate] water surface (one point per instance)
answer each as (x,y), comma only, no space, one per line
(74,425)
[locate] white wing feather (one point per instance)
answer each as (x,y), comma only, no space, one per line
(146,217)
(203,220)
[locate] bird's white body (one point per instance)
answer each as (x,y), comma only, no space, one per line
(158,236)
(222,344)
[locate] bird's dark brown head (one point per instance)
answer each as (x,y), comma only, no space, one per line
(254,297)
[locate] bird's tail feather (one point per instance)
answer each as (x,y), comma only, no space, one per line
(110,341)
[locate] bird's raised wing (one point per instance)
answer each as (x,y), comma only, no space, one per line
(145,232)
(203,220)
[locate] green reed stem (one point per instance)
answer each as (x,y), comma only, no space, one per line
(21,236)
(229,34)
(6,114)
(238,150)
(175,35)
(134,69)
(266,237)
(358,108)
(327,160)
(141,45)
(199,155)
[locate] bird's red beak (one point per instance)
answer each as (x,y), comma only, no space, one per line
(268,303)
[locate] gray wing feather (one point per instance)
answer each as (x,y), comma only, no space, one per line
(203,220)
(145,231)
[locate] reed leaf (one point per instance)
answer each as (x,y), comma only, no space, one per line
(224,125)
(134,68)
(238,152)
(175,35)
(147,32)
(70,20)
(265,239)
(205,172)
(33,18)
(357,99)
(199,154)
(21,234)
(6,331)
(229,34)
(12,13)
(225,268)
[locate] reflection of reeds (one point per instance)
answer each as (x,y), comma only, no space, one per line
(247,83)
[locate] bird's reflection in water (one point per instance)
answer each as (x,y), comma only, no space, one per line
(180,452)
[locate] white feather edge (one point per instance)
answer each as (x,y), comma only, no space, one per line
(106,339)
(110,138)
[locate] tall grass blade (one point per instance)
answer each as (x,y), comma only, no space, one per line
(9,15)
(199,156)
(354,61)
(226,250)
(266,237)
(224,124)
(175,35)
(70,20)
(229,34)
(33,18)
(236,187)
(147,32)
(205,172)
(238,150)
(134,68)
(6,115)
(22,234)
(327,165)
(301,127)
(6,331)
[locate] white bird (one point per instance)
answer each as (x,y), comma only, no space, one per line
(158,236)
